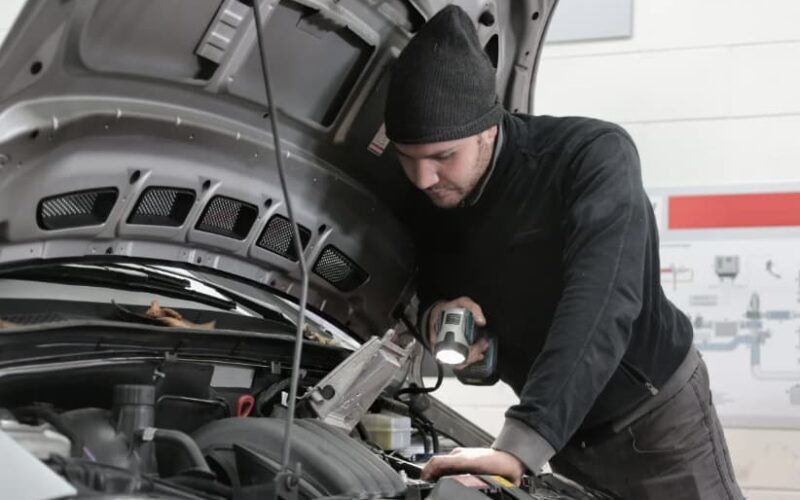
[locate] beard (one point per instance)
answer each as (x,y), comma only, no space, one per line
(448,195)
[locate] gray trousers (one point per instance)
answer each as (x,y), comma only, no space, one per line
(675,452)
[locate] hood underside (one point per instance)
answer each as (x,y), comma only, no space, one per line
(139,129)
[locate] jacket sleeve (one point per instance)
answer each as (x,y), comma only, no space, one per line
(605,232)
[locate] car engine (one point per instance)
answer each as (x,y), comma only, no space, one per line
(174,430)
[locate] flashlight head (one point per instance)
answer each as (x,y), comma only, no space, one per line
(454,336)
(451,353)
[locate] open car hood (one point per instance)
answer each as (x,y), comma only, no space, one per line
(138,129)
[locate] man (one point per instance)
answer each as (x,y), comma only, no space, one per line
(542,228)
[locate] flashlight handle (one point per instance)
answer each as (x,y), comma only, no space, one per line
(483,372)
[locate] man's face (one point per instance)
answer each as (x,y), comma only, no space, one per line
(448,171)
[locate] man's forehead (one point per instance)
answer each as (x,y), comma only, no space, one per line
(429,149)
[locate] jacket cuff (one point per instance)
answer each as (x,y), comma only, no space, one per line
(526,444)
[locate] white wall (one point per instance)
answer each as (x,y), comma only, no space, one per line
(8,12)
(709,90)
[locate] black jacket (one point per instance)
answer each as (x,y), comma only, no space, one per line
(561,252)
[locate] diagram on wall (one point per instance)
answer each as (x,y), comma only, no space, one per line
(734,270)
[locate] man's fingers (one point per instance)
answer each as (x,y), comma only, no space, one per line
(455,463)
(433,318)
(441,466)
(473,306)
(470,360)
(481,345)
(475,461)
(476,353)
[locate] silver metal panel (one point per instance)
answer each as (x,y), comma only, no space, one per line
(343,397)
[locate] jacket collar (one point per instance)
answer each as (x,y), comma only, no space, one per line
(473,197)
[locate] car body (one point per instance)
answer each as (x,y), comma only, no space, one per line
(147,270)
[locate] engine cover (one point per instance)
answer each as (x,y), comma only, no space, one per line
(333,463)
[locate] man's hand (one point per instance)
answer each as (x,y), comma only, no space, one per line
(477,349)
(475,461)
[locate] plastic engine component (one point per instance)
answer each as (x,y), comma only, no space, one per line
(109,435)
(333,463)
(388,430)
(134,409)
(41,441)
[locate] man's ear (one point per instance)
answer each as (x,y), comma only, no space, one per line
(489,134)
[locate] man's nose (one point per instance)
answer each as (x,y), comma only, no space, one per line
(424,175)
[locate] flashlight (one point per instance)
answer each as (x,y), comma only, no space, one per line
(455,335)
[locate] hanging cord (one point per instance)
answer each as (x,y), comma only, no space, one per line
(413,388)
(298,345)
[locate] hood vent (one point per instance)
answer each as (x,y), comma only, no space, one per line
(76,209)
(277,237)
(339,270)
(162,206)
(228,217)
(37,318)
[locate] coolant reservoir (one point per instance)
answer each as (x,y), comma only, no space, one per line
(41,440)
(390,431)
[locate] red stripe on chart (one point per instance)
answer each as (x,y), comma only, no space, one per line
(734,210)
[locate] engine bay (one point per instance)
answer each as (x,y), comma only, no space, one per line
(197,429)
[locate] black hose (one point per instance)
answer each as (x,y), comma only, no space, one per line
(400,315)
(269,394)
(434,438)
(203,484)
(363,433)
(425,423)
(180,439)
(415,389)
(220,403)
(394,406)
(51,417)
(421,429)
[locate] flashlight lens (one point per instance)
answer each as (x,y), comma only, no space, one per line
(450,356)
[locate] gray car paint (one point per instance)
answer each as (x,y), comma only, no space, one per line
(111,93)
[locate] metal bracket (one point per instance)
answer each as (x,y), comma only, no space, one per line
(148,434)
(343,397)
(287,482)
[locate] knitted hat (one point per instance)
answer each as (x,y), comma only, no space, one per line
(443,84)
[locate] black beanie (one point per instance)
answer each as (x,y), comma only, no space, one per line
(443,84)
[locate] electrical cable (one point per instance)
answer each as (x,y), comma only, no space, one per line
(425,422)
(400,315)
(415,423)
(298,347)
(434,438)
(363,433)
(413,388)
(269,394)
